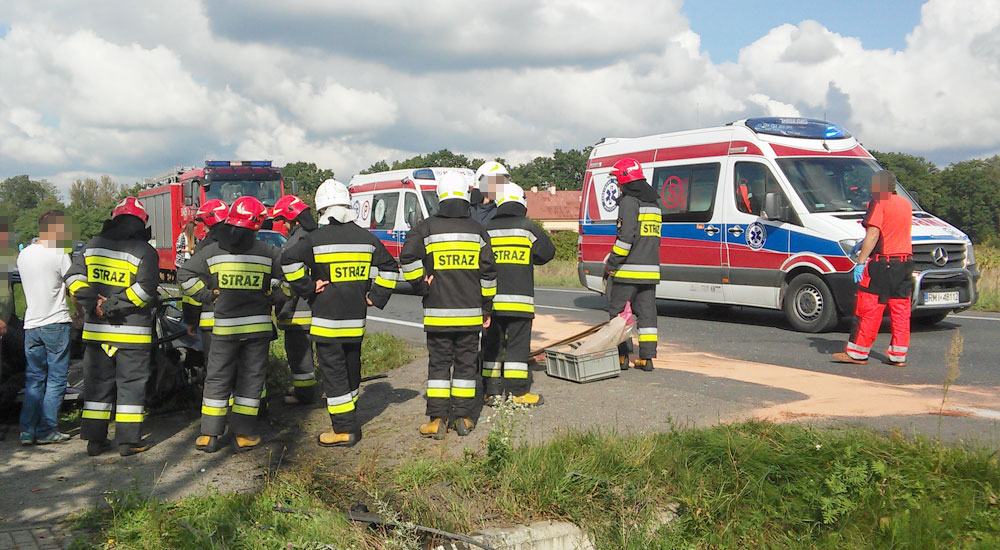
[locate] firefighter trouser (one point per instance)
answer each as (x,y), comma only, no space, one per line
(452,373)
(206,343)
(643,298)
(236,368)
(506,350)
(114,383)
(885,281)
(341,368)
(299,350)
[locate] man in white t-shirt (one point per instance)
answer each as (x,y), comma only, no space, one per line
(42,266)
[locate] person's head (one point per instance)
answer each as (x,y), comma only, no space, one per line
(453,186)
(130,206)
(627,170)
(212,213)
(489,177)
(247,212)
(287,210)
(52,227)
(511,193)
(883,184)
(333,203)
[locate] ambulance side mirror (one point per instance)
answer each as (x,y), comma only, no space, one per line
(411,220)
(775,208)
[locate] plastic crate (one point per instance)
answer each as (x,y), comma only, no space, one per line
(585,367)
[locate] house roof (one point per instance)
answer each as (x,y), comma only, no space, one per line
(544,205)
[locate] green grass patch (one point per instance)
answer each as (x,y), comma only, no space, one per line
(749,485)
(988,262)
(557,273)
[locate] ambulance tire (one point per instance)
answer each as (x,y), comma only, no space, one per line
(809,305)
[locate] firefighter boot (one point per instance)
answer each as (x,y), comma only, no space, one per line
(334,439)
(529,399)
(207,443)
(129,449)
(246,442)
(493,400)
(464,426)
(623,362)
(97,446)
(436,428)
(644,364)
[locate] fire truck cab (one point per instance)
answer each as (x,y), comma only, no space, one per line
(173,198)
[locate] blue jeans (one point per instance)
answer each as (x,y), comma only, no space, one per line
(47,351)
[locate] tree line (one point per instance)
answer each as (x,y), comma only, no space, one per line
(966,193)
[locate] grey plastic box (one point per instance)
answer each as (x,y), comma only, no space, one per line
(585,367)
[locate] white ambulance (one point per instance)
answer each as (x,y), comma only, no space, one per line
(763,212)
(391,203)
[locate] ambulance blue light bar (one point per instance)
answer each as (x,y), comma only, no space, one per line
(423,174)
(257,163)
(809,128)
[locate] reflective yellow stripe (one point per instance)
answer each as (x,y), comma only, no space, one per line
(195,288)
(640,275)
(111,262)
(96,415)
(303,383)
(239,266)
(117,338)
(190,300)
(214,411)
(206,323)
(414,275)
(76,286)
(515,374)
(491,373)
(243,409)
(512,306)
(649,217)
(125,417)
(387,283)
(296,275)
(647,337)
(453,321)
(296,321)
(134,298)
(510,241)
(462,392)
(338,257)
(350,332)
(241,329)
(451,246)
(489,292)
(620,251)
(440,392)
(341,409)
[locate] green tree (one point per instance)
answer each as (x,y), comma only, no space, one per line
(564,169)
(95,193)
(307,176)
(970,197)
(24,193)
(915,174)
(444,158)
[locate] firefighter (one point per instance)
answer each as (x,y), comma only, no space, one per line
(518,245)
(883,274)
(633,268)
(238,274)
(210,215)
(330,268)
(293,311)
(448,259)
(114,282)
(483,204)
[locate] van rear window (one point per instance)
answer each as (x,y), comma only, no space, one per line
(687,193)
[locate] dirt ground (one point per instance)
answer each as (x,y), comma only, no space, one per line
(40,485)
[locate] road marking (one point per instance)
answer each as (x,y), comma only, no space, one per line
(985,413)
(563,308)
(396,322)
(976,318)
(566,290)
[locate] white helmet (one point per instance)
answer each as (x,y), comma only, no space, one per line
(490,168)
(332,193)
(453,185)
(511,192)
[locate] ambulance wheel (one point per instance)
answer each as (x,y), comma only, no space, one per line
(809,305)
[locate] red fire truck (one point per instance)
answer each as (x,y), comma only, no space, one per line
(173,198)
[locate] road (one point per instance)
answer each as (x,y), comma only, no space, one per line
(762,336)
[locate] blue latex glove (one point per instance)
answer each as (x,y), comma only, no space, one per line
(859,272)
(856,250)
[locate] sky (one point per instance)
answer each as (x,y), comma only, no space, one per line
(131,89)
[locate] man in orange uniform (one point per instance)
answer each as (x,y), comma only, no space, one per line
(886,278)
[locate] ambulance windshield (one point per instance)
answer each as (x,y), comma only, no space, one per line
(267,191)
(431,201)
(833,184)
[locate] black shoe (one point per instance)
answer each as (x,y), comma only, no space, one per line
(208,443)
(129,449)
(97,446)
(623,362)
(463,426)
(644,364)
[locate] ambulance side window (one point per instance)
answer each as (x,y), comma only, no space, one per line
(384,210)
(411,210)
(687,193)
(753,182)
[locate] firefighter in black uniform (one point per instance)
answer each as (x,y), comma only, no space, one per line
(331,268)
(518,245)
(114,281)
(196,314)
(633,269)
(239,273)
(448,259)
(292,311)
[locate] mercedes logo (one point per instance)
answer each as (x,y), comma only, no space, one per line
(940,256)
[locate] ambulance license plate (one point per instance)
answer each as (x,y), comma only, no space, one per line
(940,298)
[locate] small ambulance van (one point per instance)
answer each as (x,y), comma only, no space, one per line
(763,212)
(391,203)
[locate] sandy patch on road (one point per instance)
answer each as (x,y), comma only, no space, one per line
(825,395)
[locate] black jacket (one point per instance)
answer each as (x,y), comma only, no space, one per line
(518,245)
(291,310)
(120,265)
(635,257)
(480,211)
(195,312)
(455,249)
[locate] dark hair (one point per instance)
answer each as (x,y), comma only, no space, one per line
(48,218)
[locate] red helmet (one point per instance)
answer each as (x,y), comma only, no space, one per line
(247,212)
(626,170)
(212,212)
(289,207)
(131,206)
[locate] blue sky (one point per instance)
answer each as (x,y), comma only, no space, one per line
(726,26)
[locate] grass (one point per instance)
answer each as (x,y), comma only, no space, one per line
(988,262)
(557,273)
(749,485)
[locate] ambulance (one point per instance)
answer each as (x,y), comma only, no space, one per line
(391,203)
(764,212)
